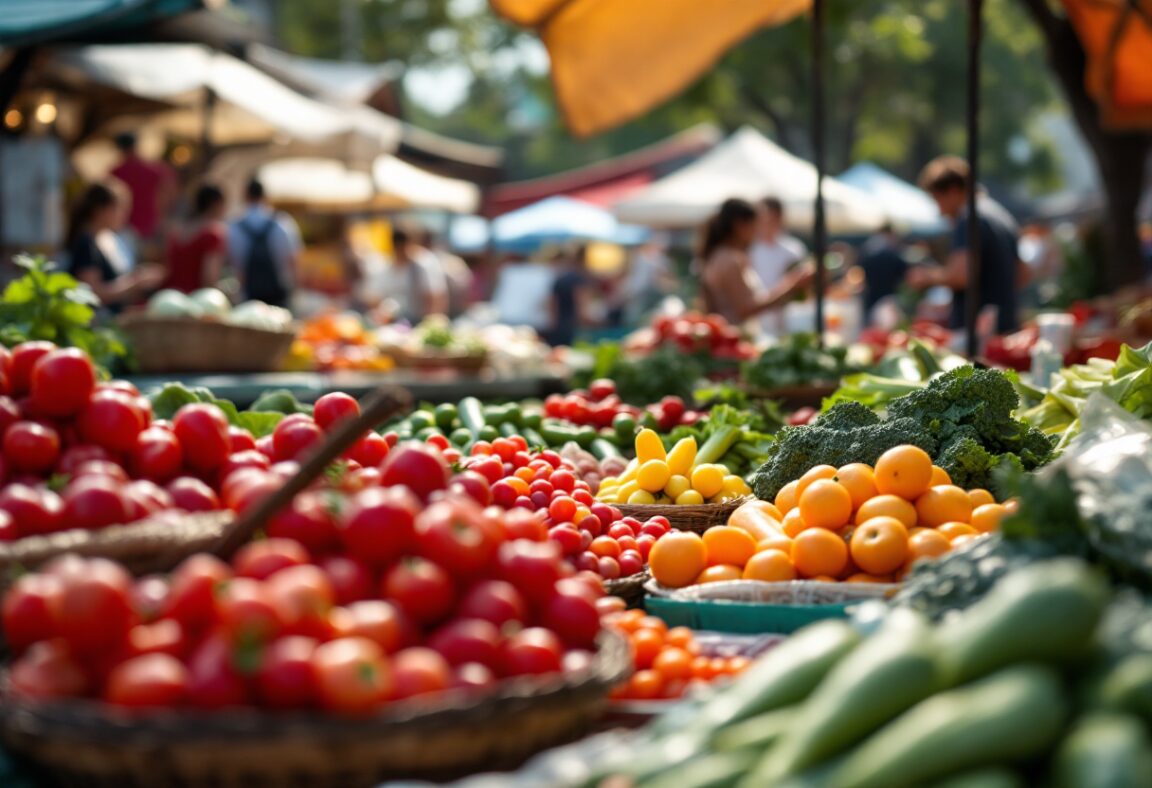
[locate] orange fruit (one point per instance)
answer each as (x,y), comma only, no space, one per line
(927,544)
(702,668)
(940,476)
(719,573)
(817,551)
(944,503)
(779,541)
(646,645)
(864,577)
(952,530)
(980,497)
(792,524)
(888,506)
(905,471)
(681,637)
(678,558)
(859,480)
(728,545)
(772,566)
(826,504)
(880,545)
(786,499)
(737,664)
(629,620)
(1012,505)
(987,517)
(645,685)
(652,622)
(674,663)
(813,474)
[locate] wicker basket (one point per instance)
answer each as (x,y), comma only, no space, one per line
(630,589)
(153,545)
(437,359)
(685,518)
(82,743)
(176,344)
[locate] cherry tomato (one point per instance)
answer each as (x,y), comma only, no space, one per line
(307,520)
(379,524)
(520,524)
(285,678)
(47,671)
(531,651)
(474,485)
(351,578)
(191,594)
(601,388)
(419,671)
(464,640)
(213,680)
(34,511)
(192,495)
(631,562)
(145,498)
(304,598)
(24,358)
(370,450)
(203,433)
(567,537)
(95,502)
(292,439)
(381,622)
(9,413)
(264,558)
(247,612)
(111,419)
(496,601)
(148,681)
(104,469)
(533,567)
(458,536)
(249,458)
(472,676)
(418,467)
(574,618)
(149,595)
(75,456)
(96,609)
(333,408)
(351,675)
(240,439)
(61,382)
(31,610)
(421,588)
(30,447)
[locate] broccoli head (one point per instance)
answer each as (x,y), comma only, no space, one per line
(847,415)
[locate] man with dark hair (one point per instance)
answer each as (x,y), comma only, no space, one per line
(772,255)
(948,180)
(884,268)
(264,246)
(152,185)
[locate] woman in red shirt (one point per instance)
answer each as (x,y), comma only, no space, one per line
(198,247)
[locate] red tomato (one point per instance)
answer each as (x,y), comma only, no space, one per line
(94,502)
(192,495)
(156,455)
(521,524)
(418,467)
(61,382)
(533,567)
(96,610)
(285,679)
(24,358)
(472,676)
(370,451)
(106,470)
(601,388)
(249,458)
(609,567)
(47,671)
(304,597)
(308,521)
(111,419)
(574,618)
(80,454)
(351,675)
(145,498)
(465,640)
(568,538)
(240,439)
(245,487)
(31,610)
(34,511)
(148,681)
(422,589)
(191,595)
(30,447)
(203,433)
(264,558)
(631,562)
(381,622)
(333,408)
(213,681)
(9,413)
(474,485)
(8,530)
(379,524)
(351,578)
(458,536)
(673,408)
(419,671)
(247,611)
(496,601)
(160,637)
(292,439)
(149,595)
(531,651)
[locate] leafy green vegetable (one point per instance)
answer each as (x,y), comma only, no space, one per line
(666,371)
(167,401)
(51,305)
(900,372)
(798,360)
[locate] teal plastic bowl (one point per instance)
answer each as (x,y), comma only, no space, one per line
(741,617)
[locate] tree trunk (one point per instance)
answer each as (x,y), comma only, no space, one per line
(1121,157)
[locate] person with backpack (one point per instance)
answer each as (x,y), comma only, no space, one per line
(264,246)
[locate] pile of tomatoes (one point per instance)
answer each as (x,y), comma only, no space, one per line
(699,333)
(601,407)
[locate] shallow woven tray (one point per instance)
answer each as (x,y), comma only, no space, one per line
(685,518)
(152,545)
(630,589)
(178,344)
(432,359)
(82,743)
(794,592)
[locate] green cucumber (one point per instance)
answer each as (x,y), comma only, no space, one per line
(603,449)
(534,438)
(1105,751)
(421,419)
(426,433)
(1127,686)
(984,778)
(493,414)
(1009,716)
(488,433)
(445,416)
(556,435)
(885,676)
(714,770)
(1046,612)
(533,420)
(585,436)
(471,415)
(507,429)
(625,426)
(755,733)
(460,437)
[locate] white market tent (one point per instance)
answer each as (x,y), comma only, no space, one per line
(339,81)
(392,184)
(751,166)
(907,206)
(247,105)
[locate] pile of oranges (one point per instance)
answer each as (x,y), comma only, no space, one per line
(666,661)
(856,523)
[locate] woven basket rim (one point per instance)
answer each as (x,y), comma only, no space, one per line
(93,720)
(682,510)
(135,319)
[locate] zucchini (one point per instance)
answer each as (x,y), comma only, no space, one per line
(507,429)
(714,770)
(471,415)
(602,449)
(1105,751)
(534,438)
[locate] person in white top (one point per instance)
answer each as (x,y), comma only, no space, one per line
(772,255)
(413,284)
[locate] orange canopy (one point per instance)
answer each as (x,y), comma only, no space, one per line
(1117,37)
(613,60)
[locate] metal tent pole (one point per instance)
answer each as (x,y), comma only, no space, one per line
(819,230)
(972,291)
